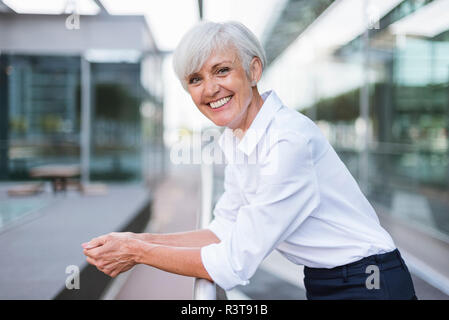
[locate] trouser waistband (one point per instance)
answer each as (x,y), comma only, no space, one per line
(383,261)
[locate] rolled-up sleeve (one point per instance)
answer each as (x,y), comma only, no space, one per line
(225,211)
(287,194)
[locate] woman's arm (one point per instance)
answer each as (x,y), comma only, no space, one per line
(184,261)
(196,238)
(118,252)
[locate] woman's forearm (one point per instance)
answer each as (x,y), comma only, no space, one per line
(183,261)
(192,239)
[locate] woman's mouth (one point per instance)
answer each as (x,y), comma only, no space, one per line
(220,103)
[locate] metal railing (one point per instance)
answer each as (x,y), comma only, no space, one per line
(204,289)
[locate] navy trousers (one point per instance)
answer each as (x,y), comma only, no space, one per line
(377,277)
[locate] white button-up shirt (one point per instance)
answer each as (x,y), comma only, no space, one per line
(286,189)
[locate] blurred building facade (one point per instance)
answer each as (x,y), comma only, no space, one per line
(59,79)
(374,75)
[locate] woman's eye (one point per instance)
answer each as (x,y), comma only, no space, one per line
(194,80)
(223,70)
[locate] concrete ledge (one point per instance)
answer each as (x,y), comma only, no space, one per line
(94,281)
(35,253)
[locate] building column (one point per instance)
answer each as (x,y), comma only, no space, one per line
(4,119)
(85,120)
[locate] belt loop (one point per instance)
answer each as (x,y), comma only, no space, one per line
(378,262)
(398,254)
(345,274)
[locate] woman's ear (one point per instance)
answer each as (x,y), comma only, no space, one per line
(255,68)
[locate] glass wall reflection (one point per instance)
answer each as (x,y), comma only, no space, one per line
(43,98)
(43,111)
(402,65)
(116,127)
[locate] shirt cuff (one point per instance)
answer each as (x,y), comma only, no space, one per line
(221,227)
(218,266)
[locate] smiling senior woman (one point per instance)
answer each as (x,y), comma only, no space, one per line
(296,196)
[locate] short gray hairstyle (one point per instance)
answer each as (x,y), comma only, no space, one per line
(200,41)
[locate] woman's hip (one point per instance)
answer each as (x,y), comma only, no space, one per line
(382,276)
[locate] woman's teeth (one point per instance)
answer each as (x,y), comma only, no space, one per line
(219,103)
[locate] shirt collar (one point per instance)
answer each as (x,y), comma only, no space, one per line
(257,129)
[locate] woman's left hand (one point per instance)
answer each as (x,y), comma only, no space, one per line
(113,253)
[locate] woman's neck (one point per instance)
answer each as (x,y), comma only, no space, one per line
(251,113)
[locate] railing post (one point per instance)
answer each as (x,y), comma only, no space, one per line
(204,289)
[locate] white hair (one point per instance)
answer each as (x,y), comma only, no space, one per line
(200,41)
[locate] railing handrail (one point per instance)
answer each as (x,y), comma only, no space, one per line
(204,289)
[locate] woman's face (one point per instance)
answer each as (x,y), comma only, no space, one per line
(221,89)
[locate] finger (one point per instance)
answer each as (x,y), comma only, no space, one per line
(111,266)
(88,245)
(88,253)
(101,270)
(101,267)
(105,270)
(114,273)
(91,261)
(94,252)
(95,242)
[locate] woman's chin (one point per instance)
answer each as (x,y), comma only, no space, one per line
(221,122)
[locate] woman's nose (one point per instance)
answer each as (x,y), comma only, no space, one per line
(211,87)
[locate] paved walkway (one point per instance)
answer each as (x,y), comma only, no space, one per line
(38,246)
(176,202)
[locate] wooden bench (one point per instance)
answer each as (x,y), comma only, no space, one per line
(59,175)
(26,189)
